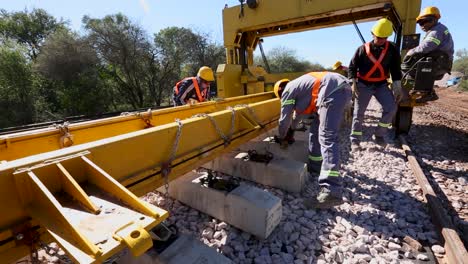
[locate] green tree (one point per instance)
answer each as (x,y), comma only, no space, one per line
(127,56)
(181,52)
(16,87)
(72,64)
(282,59)
(461,62)
(28,28)
(461,65)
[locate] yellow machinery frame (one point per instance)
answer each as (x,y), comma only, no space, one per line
(71,194)
(244,27)
(78,185)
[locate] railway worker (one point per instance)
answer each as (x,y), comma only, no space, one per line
(321,97)
(339,68)
(437,44)
(193,90)
(369,70)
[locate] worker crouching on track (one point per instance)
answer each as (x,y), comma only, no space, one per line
(193,90)
(369,69)
(322,97)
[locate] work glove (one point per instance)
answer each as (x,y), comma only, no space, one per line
(397,91)
(192,101)
(354,88)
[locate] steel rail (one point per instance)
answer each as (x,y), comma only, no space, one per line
(455,250)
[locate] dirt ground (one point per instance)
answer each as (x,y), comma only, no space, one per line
(439,136)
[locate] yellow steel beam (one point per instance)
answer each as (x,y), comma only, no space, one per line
(23,144)
(99,174)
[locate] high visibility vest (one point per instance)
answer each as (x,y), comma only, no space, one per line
(312,108)
(377,65)
(201,95)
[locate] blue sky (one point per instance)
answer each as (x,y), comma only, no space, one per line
(319,46)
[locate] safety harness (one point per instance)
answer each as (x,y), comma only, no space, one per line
(200,94)
(377,65)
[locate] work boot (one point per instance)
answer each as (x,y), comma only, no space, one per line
(355,146)
(432,96)
(379,140)
(325,199)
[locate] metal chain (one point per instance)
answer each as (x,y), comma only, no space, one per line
(166,167)
(257,120)
(65,132)
(227,139)
(145,116)
(252,113)
(233,121)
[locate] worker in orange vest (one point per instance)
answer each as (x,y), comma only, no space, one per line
(369,70)
(193,90)
(320,97)
(339,68)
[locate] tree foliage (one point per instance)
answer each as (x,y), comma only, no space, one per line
(48,72)
(16,88)
(282,59)
(461,62)
(126,53)
(73,65)
(28,28)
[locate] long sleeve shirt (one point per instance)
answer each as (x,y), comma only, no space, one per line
(297,95)
(437,38)
(362,64)
(187,91)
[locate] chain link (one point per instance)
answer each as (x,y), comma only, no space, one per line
(252,113)
(66,139)
(226,138)
(145,116)
(166,167)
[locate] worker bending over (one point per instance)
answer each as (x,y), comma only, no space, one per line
(369,69)
(322,97)
(437,45)
(194,89)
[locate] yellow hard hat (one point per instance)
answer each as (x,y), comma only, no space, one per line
(383,28)
(336,65)
(206,73)
(278,85)
(429,11)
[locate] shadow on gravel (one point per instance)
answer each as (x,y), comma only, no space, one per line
(441,142)
(439,149)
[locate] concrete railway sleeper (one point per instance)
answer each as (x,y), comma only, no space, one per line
(383,220)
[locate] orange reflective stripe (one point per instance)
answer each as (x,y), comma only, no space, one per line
(197,90)
(314,93)
(377,64)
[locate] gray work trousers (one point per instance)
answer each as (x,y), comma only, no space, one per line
(324,149)
(385,97)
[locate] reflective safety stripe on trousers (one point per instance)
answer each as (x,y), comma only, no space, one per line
(200,95)
(315,158)
(356,133)
(387,125)
(330,173)
(377,65)
(312,108)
